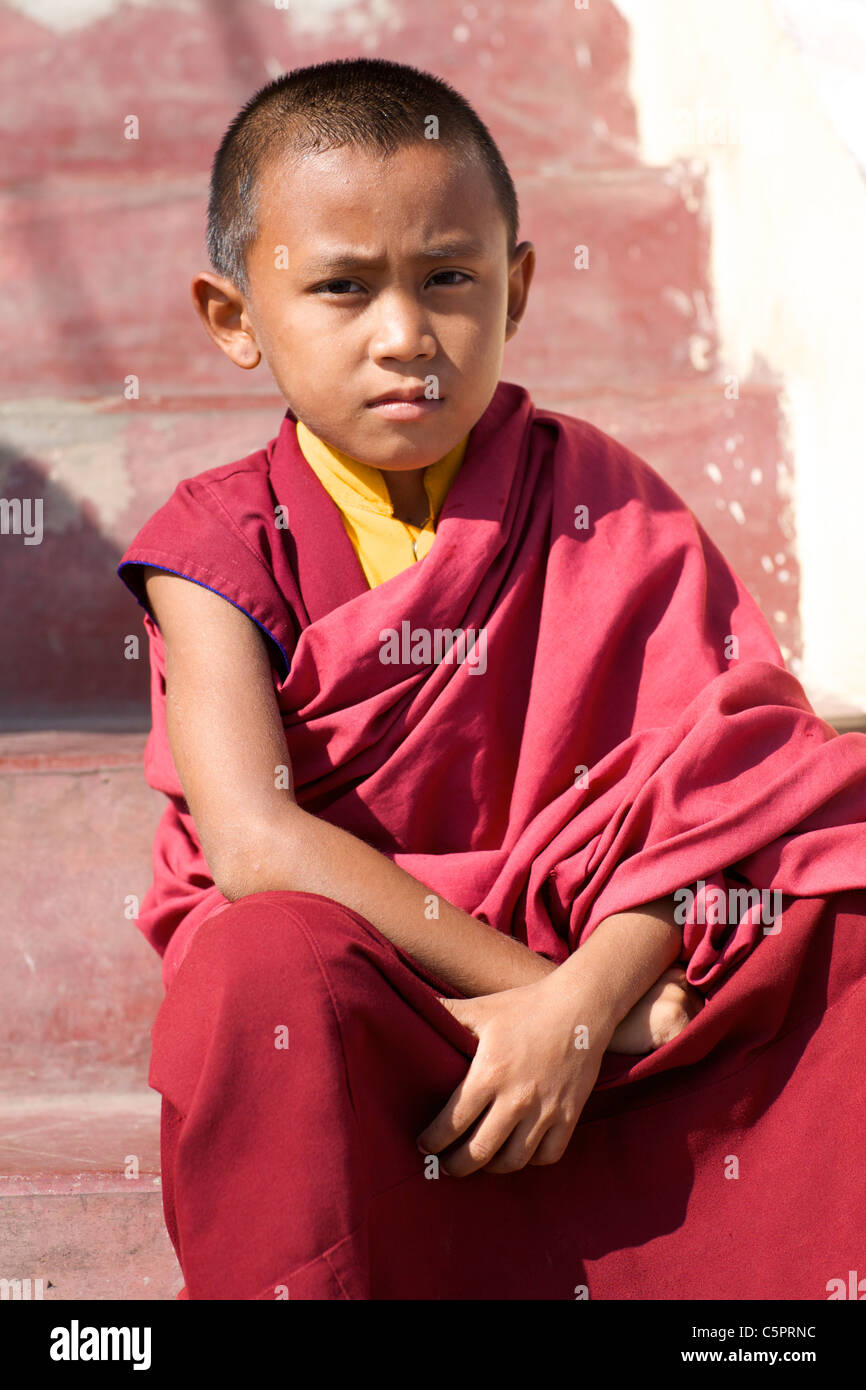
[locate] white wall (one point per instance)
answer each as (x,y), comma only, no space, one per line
(770,95)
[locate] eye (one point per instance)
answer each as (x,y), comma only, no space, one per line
(329,288)
(332,287)
(461,273)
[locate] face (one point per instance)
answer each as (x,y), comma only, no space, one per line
(395,271)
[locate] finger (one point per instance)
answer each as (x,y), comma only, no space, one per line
(484,1144)
(464,1106)
(518,1149)
(554,1144)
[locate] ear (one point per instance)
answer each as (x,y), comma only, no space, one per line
(223,312)
(520,273)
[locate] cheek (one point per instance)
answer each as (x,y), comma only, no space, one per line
(491,307)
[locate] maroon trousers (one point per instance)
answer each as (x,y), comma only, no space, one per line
(299,1053)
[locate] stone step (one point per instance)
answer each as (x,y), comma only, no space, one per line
(79,989)
(79,985)
(81,1196)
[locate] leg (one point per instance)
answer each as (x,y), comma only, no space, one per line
(297,1167)
(272,1152)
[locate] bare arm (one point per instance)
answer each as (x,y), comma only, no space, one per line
(314,856)
(621,961)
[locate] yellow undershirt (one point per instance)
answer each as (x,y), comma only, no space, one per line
(384,545)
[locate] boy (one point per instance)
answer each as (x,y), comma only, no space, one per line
(448,709)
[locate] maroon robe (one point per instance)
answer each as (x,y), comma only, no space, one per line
(623,728)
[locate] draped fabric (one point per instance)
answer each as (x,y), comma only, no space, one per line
(571,706)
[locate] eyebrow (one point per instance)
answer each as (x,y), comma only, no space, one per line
(350,260)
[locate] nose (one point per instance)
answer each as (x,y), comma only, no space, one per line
(403,329)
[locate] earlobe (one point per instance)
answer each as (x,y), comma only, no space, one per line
(240,347)
(248,355)
(512,319)
(243,354)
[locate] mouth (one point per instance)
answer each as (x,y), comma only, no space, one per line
(407,404)
(399,395)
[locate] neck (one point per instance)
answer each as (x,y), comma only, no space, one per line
(408,495)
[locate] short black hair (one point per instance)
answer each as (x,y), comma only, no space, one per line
(371,103)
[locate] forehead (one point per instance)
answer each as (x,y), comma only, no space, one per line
(346,194)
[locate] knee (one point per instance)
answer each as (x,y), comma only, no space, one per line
(272,940)
(251,977)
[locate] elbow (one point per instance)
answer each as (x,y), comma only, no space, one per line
(229,883)
(238,876)
(263,865)
(226,877)
(234,880)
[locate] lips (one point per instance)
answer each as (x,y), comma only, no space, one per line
(407,393)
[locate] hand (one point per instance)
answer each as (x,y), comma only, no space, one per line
(539,1053)
(660,1016)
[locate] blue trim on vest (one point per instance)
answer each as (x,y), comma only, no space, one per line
(165,568)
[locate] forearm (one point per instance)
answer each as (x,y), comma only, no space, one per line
(306,854)
(621,960)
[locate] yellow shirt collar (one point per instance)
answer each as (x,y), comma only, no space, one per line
(368,483)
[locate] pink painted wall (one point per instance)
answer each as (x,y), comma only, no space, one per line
(101,235)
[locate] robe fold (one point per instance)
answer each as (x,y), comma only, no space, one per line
(570,707)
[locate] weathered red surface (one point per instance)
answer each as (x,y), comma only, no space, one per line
(100,240)
(101,275)
(103,1141)
(78,986)
(185,70)
(79,1128)
(90,1244)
